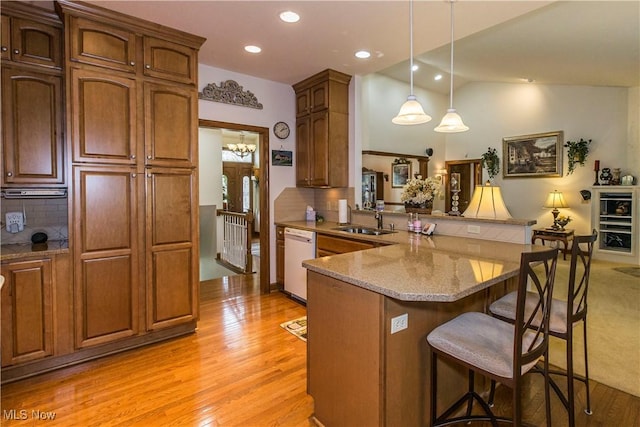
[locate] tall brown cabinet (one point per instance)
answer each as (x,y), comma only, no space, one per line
(322,130)
(32,97)
(132,123)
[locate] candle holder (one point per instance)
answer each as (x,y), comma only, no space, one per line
(596,168)
(597,181)
(455,189)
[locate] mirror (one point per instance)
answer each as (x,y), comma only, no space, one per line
(378,168)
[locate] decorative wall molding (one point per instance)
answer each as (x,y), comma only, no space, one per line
(230,92)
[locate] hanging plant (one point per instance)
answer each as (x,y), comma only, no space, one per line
(577,153)
(491,162)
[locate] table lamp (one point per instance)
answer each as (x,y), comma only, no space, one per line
(555,200)
(487,202)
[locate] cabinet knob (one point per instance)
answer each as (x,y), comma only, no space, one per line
(133,157)
(16,51)
(133,175)
(9,173)
(149,157)
(132,63)
(149,175)
(148,67)
(4,48)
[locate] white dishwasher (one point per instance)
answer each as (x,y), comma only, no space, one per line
(299,245)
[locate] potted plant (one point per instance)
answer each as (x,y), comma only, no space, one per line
(491,162)
(418,194)
(577,152)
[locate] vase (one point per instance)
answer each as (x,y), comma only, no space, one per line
(423,208)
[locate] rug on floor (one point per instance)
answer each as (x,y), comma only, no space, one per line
(297,327)
(633,271)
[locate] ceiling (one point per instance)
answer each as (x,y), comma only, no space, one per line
(571,42)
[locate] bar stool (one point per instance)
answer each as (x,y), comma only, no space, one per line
(499,350)
(564,316)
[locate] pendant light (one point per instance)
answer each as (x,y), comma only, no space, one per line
(451,122)
(411,112)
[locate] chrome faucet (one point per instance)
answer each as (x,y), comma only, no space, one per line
(379,218)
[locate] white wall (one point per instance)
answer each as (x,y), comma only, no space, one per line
(278,102)
(608,116)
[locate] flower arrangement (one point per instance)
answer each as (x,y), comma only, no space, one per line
(419,191)
(562,220)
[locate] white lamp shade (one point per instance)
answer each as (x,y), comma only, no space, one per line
(451,123)
(487,202)
(411,113)
(555,199)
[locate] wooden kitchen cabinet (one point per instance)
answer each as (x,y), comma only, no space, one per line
(97,43)
(134,139)
(331,245)
(32,128)
(32,97)
(171,126)
(31,35)
(106,255)
(114,46)
(280,255)
(171,237)
(27,311)
(104,121)
(171,61)
(322,130)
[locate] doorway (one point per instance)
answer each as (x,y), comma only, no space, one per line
(261,175)
(470,175)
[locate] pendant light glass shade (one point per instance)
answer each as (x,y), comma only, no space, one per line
(451,122)
(411,112)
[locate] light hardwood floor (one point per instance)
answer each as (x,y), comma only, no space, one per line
(239,369)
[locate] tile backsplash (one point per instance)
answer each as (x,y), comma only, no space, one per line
(42,215)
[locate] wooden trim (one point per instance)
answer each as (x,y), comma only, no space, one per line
(263,180)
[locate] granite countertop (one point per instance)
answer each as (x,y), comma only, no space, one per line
(22,250)
(415,267)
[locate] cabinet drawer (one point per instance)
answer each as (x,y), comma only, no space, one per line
(336,245)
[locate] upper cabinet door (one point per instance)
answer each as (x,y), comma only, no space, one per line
(171,133)
(5,44)
(103,45)
(32,139)
(170,61)
(103,117)
(36,43)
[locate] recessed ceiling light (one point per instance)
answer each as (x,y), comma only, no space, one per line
(252,49)
(363,54)
(415,67)
(289,16)
(438,77)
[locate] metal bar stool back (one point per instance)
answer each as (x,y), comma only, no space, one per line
(566,312)
(499,350)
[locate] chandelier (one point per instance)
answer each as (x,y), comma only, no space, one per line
(241,149)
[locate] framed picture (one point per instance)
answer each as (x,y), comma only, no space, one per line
(400,173)
(527,156)
(281,158)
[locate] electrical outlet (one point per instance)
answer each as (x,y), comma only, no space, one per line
(399,323)
(473,229)
(14,222)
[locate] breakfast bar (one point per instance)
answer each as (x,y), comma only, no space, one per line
(370,311)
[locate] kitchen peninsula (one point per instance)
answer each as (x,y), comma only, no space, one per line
(369,313)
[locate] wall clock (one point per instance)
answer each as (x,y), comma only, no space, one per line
(281,130)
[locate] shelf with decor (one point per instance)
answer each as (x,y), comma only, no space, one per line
(615,216)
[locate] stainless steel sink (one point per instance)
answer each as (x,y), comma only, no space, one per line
(364,230)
